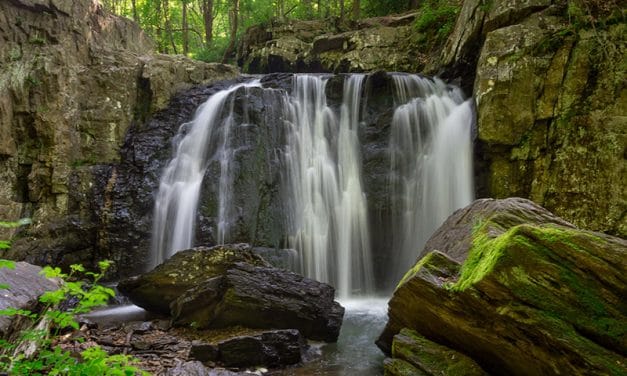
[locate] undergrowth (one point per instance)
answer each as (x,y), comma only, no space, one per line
(47,324)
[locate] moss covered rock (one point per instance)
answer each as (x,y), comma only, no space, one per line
(428,357)
(155,290)
(525,298)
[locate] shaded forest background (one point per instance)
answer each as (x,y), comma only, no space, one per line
(208,29)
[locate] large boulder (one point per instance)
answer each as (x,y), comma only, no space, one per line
(21,287)
(155,290)
(520,291)
(261,297)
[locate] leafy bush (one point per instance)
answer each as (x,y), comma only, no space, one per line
(50,359)
(436,19)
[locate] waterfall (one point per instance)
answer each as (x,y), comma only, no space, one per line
(327,216)
(199,142)
(431,162)
(322,203)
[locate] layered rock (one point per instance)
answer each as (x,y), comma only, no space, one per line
(413,354)
(259,297)
(385,43)
(74,79)
(518,290)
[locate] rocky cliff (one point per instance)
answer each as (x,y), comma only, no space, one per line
(73,80)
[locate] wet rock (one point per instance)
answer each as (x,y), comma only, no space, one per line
(155,290)
(260,297)
(272,349)
(204,352)
(22,287)
(530,295)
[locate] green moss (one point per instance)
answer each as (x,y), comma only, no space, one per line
(412,272)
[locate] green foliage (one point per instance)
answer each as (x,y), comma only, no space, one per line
(163,20)
(50,359)
(437,18)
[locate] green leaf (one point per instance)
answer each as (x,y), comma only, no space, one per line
(7,264)
(4,286)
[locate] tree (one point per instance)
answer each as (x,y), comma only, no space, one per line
(356,9)
(233,16)
(207,16)
(185,27)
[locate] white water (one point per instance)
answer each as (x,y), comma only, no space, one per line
(431,162)
(327,206)
(205,139)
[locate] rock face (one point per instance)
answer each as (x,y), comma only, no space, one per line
(550,103)
(155,290)
(23,286)
(74,80)
(385,43)
(519,291)
(227,286)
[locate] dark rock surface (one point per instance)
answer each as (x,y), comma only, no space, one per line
(273,348)
(528,294)
(155,290)
(259,297)
(23,286)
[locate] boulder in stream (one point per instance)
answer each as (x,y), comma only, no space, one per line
(520,291)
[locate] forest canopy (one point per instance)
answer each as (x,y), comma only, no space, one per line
(208,29)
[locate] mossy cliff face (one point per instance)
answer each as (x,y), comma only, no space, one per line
(548,79)
(525,298)
(73,79)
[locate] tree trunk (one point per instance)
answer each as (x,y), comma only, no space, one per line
(413,4)
(168,24)
(356,9)
(233,16)
(185,28)
(134,7)
(341,9)
(207,15)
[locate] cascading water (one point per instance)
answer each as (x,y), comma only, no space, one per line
(431,162)
(327,206)
(205,139)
